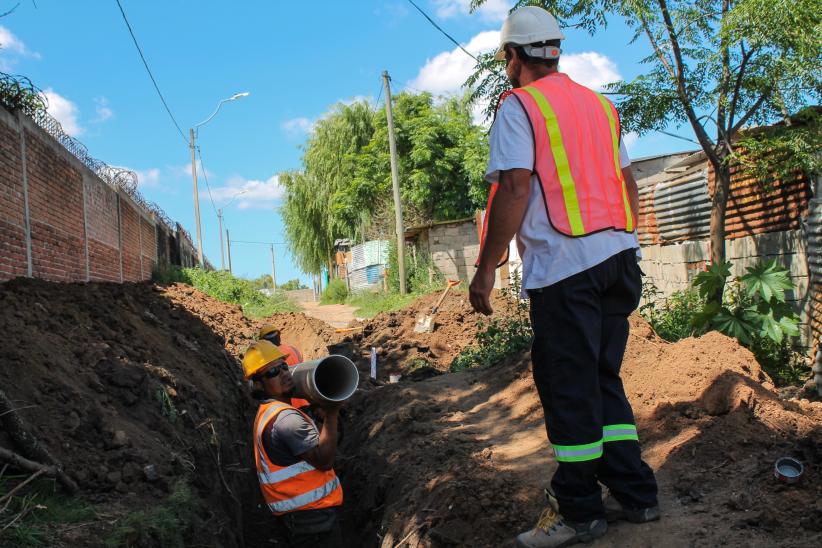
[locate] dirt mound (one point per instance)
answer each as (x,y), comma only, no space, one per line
(461,459)
(399,348)
(310,335)
(131,390)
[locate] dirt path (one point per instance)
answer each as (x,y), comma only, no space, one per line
(335,315)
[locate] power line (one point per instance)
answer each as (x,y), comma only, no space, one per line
(436,26)
(153,81)
(208,186)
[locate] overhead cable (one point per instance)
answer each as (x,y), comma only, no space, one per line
(436,26)
(153,81)
(205,176)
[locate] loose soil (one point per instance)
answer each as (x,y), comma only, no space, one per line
(462,459)
(115,378)
(400,350)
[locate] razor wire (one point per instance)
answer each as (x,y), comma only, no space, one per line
(18,93)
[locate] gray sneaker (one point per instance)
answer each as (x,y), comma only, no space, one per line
(614,511)
(552,531)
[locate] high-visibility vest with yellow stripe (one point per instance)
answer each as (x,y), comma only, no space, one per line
(576,156)
(296,487)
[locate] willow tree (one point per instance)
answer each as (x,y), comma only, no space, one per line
(714,65)
(310,225)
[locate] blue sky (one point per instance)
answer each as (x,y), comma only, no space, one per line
(296,60)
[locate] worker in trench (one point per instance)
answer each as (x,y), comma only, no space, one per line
(561,181)
(294,457)
(271,333)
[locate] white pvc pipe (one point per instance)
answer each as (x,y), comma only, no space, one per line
(331,379)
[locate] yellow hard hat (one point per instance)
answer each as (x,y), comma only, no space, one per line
(267,329)
(258,355)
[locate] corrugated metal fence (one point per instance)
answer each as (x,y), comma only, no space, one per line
(368,262)
(814,236)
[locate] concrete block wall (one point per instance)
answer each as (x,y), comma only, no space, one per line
(58,220)
(454,249)
(673,267)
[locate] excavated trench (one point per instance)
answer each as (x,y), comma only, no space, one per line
(120,380)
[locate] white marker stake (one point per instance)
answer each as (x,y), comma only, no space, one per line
(373,363)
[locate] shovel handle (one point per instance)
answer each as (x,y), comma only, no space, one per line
(451,283)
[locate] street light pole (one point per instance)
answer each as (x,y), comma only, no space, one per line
(193,146)
(196,199)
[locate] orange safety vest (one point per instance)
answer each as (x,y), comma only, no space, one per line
(291,488)
(576,157)
(294,357)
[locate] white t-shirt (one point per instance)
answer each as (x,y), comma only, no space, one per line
(547,255)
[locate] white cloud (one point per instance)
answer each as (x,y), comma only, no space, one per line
(148,178)
(491,10)
(255,193)
(185,171)
(64,111)
(298,126)
(11,44)
(104,112)
(446,72)
(591,69)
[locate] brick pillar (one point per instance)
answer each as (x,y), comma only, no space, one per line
(26,213)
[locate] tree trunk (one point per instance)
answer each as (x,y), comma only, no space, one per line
(719,204)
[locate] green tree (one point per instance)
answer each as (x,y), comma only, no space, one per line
(344,188)
(716,65)
(310,211)
(292,285)
(442,157)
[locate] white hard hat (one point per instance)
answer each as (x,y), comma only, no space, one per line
(529,25)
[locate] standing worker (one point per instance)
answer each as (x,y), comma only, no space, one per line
(294,460)
(561,181)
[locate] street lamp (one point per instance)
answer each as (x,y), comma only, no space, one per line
(220,219)
(191,143)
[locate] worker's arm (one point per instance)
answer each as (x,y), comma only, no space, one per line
(633,191)
(322,456)
(503,220)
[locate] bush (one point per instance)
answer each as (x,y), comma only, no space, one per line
(335,293)
(503,336)
(671,318)
(164,273)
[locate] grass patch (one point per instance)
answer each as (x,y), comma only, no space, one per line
(371,303)
(44,510)
(163,525)
(226,287)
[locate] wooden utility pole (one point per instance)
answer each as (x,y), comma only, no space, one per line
(395,180)
(273,269)
(228,245)
(222,245)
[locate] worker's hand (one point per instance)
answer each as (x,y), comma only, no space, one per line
(480,289)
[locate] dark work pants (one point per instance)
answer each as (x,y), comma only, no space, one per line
(580,332)
(313,529)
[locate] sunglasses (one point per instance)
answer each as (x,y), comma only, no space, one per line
(273,373)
